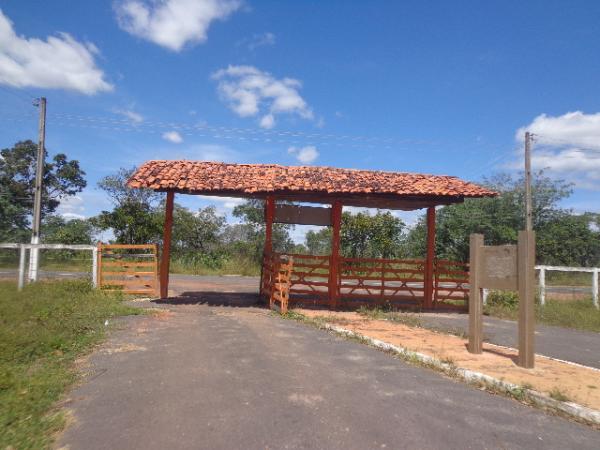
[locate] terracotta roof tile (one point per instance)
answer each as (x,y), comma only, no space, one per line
(206,177)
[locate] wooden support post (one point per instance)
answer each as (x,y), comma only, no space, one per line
(526,271)
(428,276)
(475,303)
(166,247)
(334,259)
(268,248)
(269,215)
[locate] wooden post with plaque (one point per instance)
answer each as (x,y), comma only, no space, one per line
(505,267)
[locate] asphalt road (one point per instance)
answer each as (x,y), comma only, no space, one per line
(571,345)
(209,377)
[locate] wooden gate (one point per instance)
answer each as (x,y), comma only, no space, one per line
(132,269)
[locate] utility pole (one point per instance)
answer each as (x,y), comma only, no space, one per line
(37,203)
(528,207)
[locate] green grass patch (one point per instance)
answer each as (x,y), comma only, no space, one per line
(577,314)
(404,318)
(229,267)
(43,329)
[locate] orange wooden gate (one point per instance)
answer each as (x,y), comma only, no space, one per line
(132,269)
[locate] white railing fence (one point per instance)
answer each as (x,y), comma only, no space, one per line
(594,271)
(33,271)
(542,279)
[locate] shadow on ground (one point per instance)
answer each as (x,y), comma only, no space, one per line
(232,299)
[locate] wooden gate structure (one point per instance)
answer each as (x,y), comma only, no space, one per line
(132,269)
(332,280)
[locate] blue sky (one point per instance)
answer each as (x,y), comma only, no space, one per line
(419,86)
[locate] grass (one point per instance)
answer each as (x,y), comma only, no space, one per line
(393,316)
(577,314)
(43,329)
(230,267)
(556,394)
(555,278)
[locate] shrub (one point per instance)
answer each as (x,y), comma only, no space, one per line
(507,299)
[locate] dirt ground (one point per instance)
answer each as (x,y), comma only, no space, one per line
(577,383)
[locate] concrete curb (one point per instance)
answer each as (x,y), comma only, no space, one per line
(569,408)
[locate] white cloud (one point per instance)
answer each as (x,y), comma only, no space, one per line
(71,207)
(59,62)
(250,92)
(173,136)
(305,155)
(257,40)
(130,114)
(172,23)
(226,202)
(202,152)
(567,145)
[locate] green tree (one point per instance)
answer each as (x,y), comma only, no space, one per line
(252,214)
(499,219)
(138,215)
(58,230)
(570,240)
(197,237)
(362,235)
(318,242)
(62,178)
(371,236)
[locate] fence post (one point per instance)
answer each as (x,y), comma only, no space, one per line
(99,265)
(475,306)
(95,267)
(484,296)
(542,286)
(21,281)
(595,287)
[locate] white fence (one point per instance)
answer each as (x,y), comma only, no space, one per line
(32,276)
(592,270)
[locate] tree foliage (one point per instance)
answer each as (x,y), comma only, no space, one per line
(562,238)
(362,235)
(62,178)
(137,217)
(58,230)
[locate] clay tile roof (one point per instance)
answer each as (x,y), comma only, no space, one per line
(204,177)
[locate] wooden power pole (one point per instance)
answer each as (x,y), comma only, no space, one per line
(528,207)
(37,203)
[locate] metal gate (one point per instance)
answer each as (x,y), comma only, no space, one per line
(132,269)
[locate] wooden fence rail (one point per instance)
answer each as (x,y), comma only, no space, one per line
(132,269)
(372,282)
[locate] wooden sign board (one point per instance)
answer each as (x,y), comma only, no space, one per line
(302,215)
(499,268)
(510,267)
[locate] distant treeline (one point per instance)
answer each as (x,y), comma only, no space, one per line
(203,240)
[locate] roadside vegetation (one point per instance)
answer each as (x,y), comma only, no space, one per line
(205,241)
(577,314)
(43,330)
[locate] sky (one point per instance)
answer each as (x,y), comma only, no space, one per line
(413,86)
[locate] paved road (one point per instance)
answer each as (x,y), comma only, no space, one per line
(211,377)
(562,343)
(581,347)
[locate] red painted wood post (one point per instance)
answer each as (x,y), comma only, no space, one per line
(269,216)
(334,259)
(429,260)
(166,247)
(268,249)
